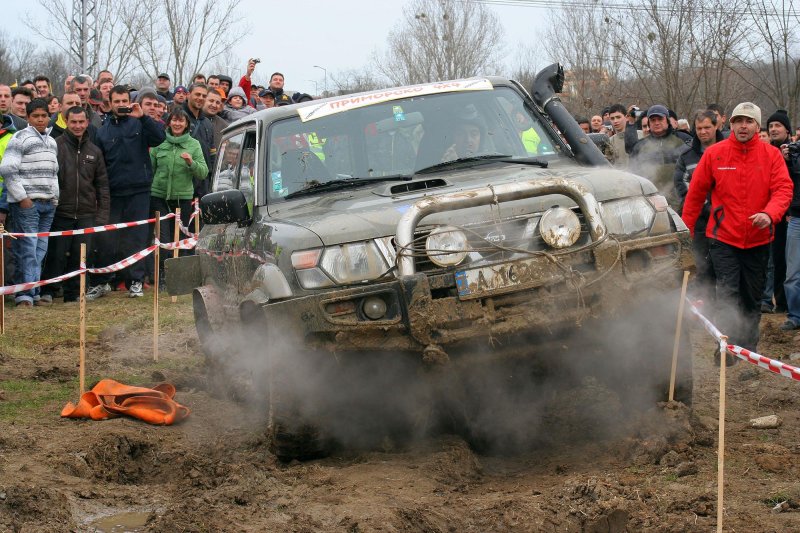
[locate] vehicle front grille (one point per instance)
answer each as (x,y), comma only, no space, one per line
(493,241)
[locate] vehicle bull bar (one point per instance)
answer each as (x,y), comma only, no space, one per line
(492,194)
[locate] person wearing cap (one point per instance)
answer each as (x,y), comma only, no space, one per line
(162,86)
(778,128)
(786,260)
(750,192)
(267,98)
(179,96)
(225,83)
(654,156)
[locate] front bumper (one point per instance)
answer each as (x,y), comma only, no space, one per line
(439,310)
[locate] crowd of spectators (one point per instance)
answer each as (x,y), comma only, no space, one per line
(98,151)
(745,225)
(104,152)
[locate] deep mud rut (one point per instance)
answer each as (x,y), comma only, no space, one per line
(214,473)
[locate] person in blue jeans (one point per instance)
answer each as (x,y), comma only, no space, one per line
(30,173)
(792,283)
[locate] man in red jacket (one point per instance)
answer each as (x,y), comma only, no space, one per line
(750,191)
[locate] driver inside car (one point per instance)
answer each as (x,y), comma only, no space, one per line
(467,140)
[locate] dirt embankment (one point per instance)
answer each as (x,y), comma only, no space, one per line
(656,472)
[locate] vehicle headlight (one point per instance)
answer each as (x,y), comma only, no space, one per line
(560,227)
(446,246)
(628,216)
(343,264)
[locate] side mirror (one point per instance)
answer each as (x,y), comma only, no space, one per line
(225,207)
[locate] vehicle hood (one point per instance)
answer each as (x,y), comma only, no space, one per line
(373,211)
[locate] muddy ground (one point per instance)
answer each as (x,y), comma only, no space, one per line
(214,472)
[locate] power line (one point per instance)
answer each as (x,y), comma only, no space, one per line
(634,7)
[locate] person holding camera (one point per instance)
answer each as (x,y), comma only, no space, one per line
(779,128)
(787,260)
(750,192)
(125,140)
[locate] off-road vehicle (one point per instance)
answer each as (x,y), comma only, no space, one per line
(427,223)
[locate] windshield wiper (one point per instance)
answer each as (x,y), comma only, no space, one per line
(535,161)
(345,183)
(461,161)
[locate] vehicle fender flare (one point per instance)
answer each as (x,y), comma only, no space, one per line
(271,281)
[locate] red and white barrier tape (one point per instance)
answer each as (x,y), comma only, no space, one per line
(789,371)
(185,244)
(128,261)
(772,365)
(711,328)
(96,229)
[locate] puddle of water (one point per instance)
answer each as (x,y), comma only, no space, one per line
(121,523)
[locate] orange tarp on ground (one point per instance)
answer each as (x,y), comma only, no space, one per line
(110,399)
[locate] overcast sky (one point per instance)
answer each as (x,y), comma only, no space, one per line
(292,37)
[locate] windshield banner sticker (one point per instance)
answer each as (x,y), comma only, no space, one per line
(346,103)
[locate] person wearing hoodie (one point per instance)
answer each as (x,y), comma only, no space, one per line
(83,202)
(654,156)
(30,173)
(7,130)
(236,105)
(177,163)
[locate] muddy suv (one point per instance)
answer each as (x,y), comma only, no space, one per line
(425,224)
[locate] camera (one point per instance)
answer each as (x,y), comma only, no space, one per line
(256,60)
(124,110)
(794,148)
(635,112)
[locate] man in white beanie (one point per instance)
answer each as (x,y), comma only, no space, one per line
(750,192)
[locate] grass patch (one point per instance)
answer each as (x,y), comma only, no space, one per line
(776,498)
(27,398)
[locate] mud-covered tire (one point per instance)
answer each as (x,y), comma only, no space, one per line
(292,433)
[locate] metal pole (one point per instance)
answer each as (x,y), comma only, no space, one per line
(325,71)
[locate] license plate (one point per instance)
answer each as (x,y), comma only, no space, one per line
(505,277)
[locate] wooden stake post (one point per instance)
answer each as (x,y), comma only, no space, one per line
(723,355)
(157,259)
(175,240)
(82,363)
(677,344)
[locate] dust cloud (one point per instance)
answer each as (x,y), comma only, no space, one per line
(587,382)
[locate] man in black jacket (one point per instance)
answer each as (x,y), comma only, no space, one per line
(125,139)
(200,128)
(705,134)
(83,201)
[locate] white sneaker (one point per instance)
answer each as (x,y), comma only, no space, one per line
(136,290)
(97,291)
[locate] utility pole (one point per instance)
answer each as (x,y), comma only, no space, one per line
(83,35)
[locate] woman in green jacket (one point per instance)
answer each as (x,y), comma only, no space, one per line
(176,162)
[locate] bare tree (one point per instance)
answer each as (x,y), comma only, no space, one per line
(355,81)
(771,63)
(180,37)
(440,40)
(526,65)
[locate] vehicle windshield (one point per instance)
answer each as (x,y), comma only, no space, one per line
(401,137)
